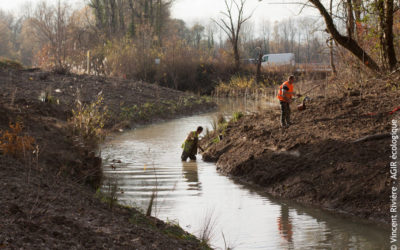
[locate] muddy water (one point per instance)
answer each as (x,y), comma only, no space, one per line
(197,197)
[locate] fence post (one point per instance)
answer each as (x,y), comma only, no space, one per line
(88,62)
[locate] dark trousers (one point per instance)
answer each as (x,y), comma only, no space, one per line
(285,115)
(186,155)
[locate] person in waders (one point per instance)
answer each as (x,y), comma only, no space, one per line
(191,144)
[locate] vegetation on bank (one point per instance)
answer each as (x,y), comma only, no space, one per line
(141,40)
(169,228)
(149,110)
(10,64)
(241,86)
(54,136)
(14,143)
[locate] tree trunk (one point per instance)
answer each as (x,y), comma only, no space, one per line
(380,6)
(132,30)
(107,17)
(151,13)
(98,10)
(113,22)
(259,61)
(357,14)
(146,10)
(236,56)
(389,34)
(350,19)
(121,16)
(159,22)
(235,46)
(331,45)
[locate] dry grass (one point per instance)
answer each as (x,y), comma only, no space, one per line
(207,230)
(88,120)
(14,143)
(10,64)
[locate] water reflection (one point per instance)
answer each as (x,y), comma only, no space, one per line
(285,226)
(247,217)
(190,173)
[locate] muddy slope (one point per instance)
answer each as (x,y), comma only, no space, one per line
(317,161)
(125,99)
(47,202)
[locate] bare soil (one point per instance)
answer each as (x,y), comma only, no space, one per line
(316,161)
(24,86)
(51,203)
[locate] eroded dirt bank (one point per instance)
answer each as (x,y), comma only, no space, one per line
(128,102)
(317,161)
(47,202)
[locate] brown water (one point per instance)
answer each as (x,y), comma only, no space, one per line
(194,193)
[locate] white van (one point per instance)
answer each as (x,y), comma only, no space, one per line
(278,59)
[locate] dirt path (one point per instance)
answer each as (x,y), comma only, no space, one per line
(316,160)
(45,203)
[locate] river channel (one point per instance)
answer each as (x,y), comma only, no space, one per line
(195,195)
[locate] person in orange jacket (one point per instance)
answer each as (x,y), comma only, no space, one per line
(285,96)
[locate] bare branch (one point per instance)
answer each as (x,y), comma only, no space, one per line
(231,26)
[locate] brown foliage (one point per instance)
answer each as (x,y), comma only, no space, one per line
(13,143)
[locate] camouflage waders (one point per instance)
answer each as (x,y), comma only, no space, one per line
(190,148)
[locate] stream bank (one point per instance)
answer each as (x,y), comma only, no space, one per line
(318,160)
(146,161)
(47,198)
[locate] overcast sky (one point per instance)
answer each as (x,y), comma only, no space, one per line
(201,11)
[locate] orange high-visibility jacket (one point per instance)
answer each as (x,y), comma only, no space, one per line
(288,94)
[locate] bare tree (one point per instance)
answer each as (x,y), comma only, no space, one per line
(210,33)
(232,26)
(346,41)
(330,42)
(266,34)
(197,33)
(385,11)
(5,31)
(51,24)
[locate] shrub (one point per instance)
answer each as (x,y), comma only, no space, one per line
(219,123)
(13,143)
(87,121)
(237,86)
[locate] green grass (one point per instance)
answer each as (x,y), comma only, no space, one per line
(237,116)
